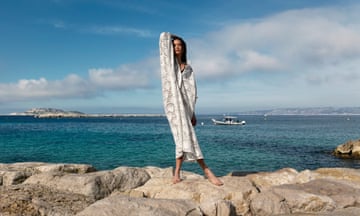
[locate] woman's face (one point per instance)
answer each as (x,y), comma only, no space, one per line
(178,47)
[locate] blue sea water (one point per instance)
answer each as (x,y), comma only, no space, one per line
(263,144)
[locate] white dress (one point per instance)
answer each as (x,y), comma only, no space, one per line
(179,98)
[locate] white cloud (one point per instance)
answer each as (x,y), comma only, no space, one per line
(141,74)
(308,57)
(115,30)
(71,86)
(122,78)
(127,77)
(254,61)
(59,24)
(100,29)
(298,42)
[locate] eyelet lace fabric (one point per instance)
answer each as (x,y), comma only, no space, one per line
(179,98)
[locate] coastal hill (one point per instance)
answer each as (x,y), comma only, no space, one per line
(50,112)
(307,111)
(59,113)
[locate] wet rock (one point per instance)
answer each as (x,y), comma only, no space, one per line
(350,149)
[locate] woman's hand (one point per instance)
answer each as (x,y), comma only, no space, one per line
(193,120)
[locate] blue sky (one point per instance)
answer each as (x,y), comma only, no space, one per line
(101,56)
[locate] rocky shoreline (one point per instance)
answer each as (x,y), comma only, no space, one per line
(59,113)
(78,189)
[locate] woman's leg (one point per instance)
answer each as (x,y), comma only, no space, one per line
(176,178)
(209,174)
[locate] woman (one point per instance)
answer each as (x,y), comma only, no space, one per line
(179,97)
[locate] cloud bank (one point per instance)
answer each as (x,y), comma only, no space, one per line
(298,41)
(99,80)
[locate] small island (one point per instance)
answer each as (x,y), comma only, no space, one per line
(59,113)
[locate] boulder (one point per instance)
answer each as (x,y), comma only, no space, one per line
(156,172)
(66,168)
(39,167)
(351,211)
(316,196)
(236,191)
(25,199)
(16,173)
(350,149)
(266,180)
(218,208)
(13,177)
(283,199)
(96,184)
(342,193)
(69,189)
(347,175)
(118,205)
(22,165)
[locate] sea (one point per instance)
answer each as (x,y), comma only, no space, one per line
(265,143)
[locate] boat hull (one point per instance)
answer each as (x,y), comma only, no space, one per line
(217,122)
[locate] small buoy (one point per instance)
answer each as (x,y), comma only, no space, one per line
(202,123)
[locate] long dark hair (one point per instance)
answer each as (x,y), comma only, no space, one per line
(183,56)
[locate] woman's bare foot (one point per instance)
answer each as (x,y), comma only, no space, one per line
(212,178)
(176,179)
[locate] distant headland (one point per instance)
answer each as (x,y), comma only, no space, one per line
(59,113)
(306,111)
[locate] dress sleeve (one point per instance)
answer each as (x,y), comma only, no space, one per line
(168,78)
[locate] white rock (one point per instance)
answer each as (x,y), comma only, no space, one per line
(266,180)
(97,184)
(237,190)
(122,205)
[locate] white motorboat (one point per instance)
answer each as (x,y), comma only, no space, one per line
(229,120)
